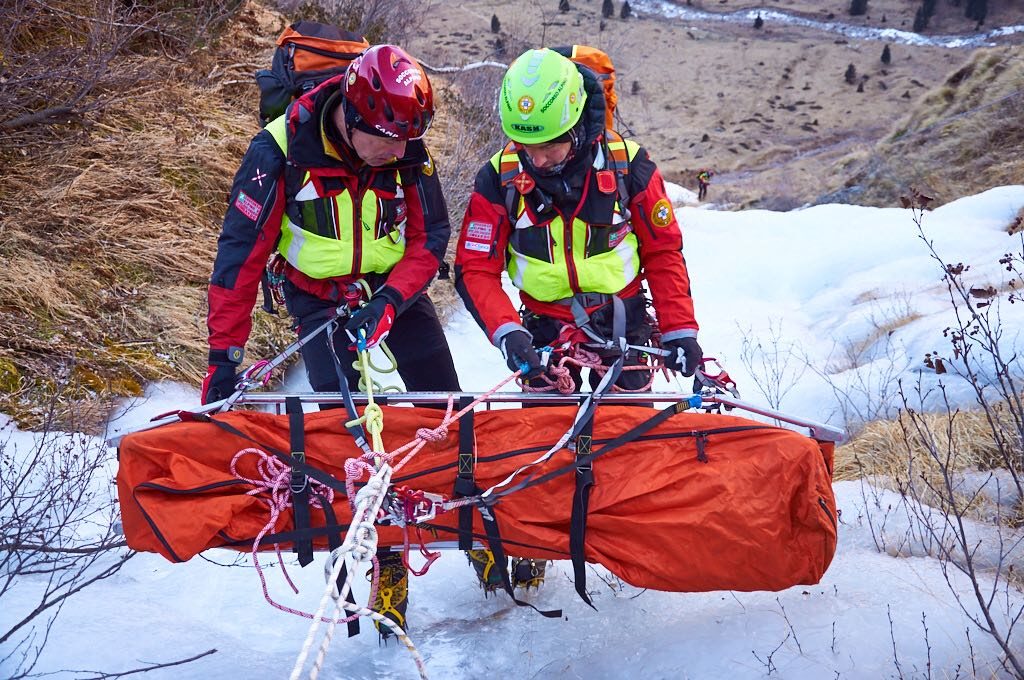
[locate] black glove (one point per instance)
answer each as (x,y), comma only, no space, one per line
(684,355)
(374,319)
(520,354)
(219,382)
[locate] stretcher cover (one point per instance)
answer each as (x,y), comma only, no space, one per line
(759,514)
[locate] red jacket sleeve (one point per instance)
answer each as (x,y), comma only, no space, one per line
(251,228)
(480,258)
(661,243)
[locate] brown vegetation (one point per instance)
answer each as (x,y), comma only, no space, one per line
(110,219)
(109,226)
(964,136)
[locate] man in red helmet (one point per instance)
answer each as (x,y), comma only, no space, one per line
(340,189)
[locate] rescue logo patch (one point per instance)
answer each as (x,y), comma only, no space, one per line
(248,206)
(525,105)
(479,247)
(428,166)
(481,231)
(661,213)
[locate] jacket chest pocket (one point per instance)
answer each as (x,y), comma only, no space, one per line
(534,241)
(603,238)
(390,213)
(319,215)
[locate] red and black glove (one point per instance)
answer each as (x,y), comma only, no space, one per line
(520,355)
(684,355)
(221,379)
(373,319)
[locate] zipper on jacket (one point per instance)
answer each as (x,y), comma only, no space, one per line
(268,209)
(357,225)
(824,506)
(570,264)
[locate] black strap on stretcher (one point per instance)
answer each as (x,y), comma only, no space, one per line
(299,482)
(465,485)
(465,482)
(580,503)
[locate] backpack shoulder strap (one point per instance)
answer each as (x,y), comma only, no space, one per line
(506,164)
(618,153)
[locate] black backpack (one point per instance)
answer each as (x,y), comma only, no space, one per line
(307,54)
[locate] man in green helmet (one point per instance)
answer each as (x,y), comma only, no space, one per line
(578,216)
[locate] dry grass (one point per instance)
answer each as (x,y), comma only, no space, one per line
(962,137)
(884,453)
(111,238)
(879,449)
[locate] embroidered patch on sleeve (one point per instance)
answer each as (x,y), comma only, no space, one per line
(481,231)
(661,213)
(479,247)
(615,238)
(248,206)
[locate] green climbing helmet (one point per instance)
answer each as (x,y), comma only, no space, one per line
(541,98)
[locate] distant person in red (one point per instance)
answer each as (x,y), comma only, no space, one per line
(703,180)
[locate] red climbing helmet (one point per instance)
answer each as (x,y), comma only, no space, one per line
(390,92)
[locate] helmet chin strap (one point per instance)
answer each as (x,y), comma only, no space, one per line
(575,143)
(352,117)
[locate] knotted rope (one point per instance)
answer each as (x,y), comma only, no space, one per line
(274,482)
(559,376)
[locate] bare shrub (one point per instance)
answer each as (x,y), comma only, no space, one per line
(863,374)
(776,365)
(944,480)
(465,135)
(62,63)
(59,534)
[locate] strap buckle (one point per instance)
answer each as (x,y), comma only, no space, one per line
(299,480)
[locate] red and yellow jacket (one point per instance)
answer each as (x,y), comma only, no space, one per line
(570,235)
(333,218)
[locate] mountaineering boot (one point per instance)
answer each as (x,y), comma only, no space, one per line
(392,591)
(527,573)
(487,572)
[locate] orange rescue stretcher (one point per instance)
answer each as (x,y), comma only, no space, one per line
(664,498)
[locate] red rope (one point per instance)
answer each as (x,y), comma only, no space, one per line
(561,377)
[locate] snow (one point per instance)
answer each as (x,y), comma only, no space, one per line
(811,283)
